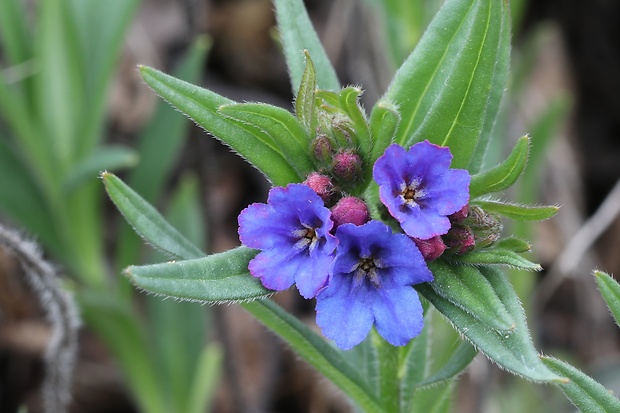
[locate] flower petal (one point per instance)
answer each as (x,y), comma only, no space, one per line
(276,269)
(424,223)
(450,194)
(398,315)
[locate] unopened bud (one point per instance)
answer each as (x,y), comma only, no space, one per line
(347,165)
(322,148)
(350,210)
(460,215)
(487,228)
(459,239)
(432,248)
(321,184)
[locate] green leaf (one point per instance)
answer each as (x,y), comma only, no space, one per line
(458,362)
(447,87)
(204,384)
(126,339)
(281,127)
(511,350)
(16,41)
(519,212)
(513,244)
(469,290)
(147,222)
(298,35)
(437,399)
(202,106)
(349,101)
(610,290)
(501,176)
(384,120)
(106,158)
(495,256)
(585,393)
(305,107)
(388,357)
(312,348)
(216,278)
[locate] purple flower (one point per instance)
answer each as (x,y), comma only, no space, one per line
(419,189)
(292,231)
(370,283)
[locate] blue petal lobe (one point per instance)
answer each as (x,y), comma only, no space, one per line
(398,315)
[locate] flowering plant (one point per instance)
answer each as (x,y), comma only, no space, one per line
(368,211)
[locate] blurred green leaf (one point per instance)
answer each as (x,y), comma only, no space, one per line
(297,35)
(436,399)
(585,393)
(389,381)
(205,381)
(202,106)
(281,127)
(147,222)
(312,348)
(519,212)
(105,158)
(118,328)
(458,362)
(495,256)
(610,290)
(512,350)
(501,176)
(305,107)
(16,40)
(469,290)
(216,278)
(443,88)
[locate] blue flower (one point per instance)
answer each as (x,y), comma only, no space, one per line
(293,232)
(371,283)
(419,189)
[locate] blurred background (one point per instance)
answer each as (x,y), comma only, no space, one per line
(72,104)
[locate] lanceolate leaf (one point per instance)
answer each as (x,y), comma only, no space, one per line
(312,348)
(282,128)
(512,350)
(496,256)
(514,244)
(502,176)
(201,105)
(349,100)
(519,212)
(443,88)
(147,222)
(610,290)
(298,35)
(384,120)
(217,278)
(468,289)
(305,108)
(585,393)
(456,365)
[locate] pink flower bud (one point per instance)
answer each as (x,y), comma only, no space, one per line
(322,148)
(459,239)
(432,248)
(321,184)
(350,210)
(347,165)
(460,215)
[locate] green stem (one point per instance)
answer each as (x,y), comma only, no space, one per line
(389,365)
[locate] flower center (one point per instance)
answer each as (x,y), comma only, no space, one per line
(412,193)
(306,237)
(367,268)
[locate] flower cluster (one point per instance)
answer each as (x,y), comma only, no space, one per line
(360,271)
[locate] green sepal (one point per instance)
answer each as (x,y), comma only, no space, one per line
(610,290)
(495,256)
(518,212)
(349,102)
(216,278)
(469,290)
(330,97)
(514,244)
(202,106)
(504,175)
(512,350)
(305,106)
(584,392)
(384,120)
(281,127)
(147,222)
